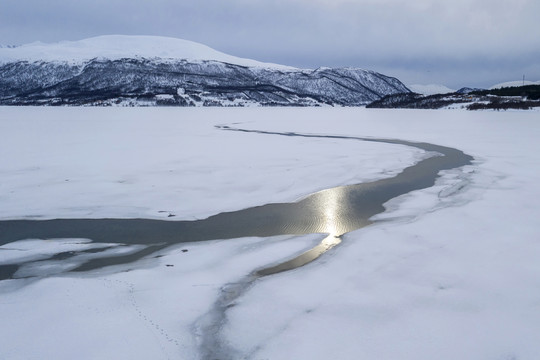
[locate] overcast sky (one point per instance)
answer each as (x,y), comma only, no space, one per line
(451,42)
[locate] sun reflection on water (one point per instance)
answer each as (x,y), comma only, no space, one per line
(331,204)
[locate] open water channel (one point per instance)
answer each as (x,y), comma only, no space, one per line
(334,211)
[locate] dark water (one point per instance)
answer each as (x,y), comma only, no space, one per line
(334,211)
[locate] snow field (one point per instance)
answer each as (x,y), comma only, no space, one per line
(449,272)
(152,163)
(454,275)
(139,311)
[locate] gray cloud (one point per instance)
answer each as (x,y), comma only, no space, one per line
(456,43)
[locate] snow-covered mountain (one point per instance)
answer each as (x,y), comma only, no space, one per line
(430,89)
(116,47)
(147,70)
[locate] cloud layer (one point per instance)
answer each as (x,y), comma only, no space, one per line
(459,42)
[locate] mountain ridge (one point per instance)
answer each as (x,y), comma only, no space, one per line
(115,47)
(127,70)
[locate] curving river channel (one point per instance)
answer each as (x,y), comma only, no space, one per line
(334,211)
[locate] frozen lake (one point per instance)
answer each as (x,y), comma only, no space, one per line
(334,211)
(447,271)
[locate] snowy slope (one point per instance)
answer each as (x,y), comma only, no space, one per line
(430,89)
(146,70)
(514,83)
(115,47)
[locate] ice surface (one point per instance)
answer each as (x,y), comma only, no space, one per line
(153,163)
(450,272)
(145,313)
(14,252)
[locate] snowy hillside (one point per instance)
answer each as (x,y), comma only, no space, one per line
(115,47)
(145,70)
(430,89)
(514,83)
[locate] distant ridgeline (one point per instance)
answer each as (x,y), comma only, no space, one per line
(147,71)
(517,97)
(182,83)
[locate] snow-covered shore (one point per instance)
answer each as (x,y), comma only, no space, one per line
(451,272)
